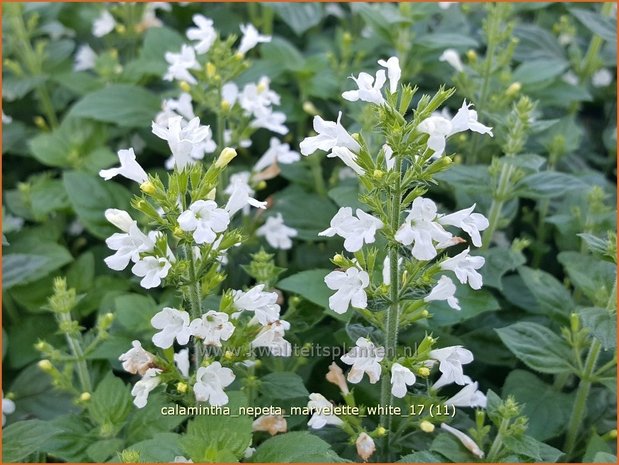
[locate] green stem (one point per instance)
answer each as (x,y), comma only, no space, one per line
(319,181)
(393,312)
(495,448)
(76,349)
(494,215)
(195,301)
(589,62)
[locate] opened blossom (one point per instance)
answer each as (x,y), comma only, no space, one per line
(265,117)
(129,168)
(365,358)
(213,327)
(181,360)
(465,268)
(348,157)
(205,220)
(251,38)
(401,377)
(241,194)
(369,88)
(85,58)
(128,244)
(469,222)
(278,153)
(137,360)
(182,138)
(152,270)
(450,361)
(321,415)
(329,135)
(204,34)
(170,108)
(445,289)
(468,396)
(263,304)
(174,324)
(356,231)
(452,57)
(276,233)
(210,384)
(143,387)
(271,336)
(180,64)
(350,286)
(394,73)
(104,24)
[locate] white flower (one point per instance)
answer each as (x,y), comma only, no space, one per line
(329,134)
(85,58)
(174,324)
(241,194)
(451,56)
(271,336)
(181,359)
(393,72)
(180,107)
(263,304)
(389,160)
(152,270)
(387,269)
(355,230)
(570,78)
(256,97)
(321,416)
(119,218)
(205,34)
(213,327)
(369,89)
(450,361)
(365,446)
(249,452)
(465,440)
(6,119)
(364,358)
(104,24)
(129,244)
(129,168)
(602,78)
(229,93)
(445,289)
(276,233)
(468,396)
(276,153)
(469,222)
(400,378)
(272,424)
(251,38)
(440,128)
(182,139)
(266,118)
(350,286)
(210,384)
(136,360)
(421,229)
(348,157)
(180,64)
(8,407)
(143,387)
(205,220)
(464,266)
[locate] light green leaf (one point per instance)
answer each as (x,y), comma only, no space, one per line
(283,385)
(161,448)
(23,438)
(547,184)
(294,447)
(111,402)
(299,16)
(550,294)
(602,324)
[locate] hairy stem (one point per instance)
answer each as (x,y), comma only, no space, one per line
(495,448)
(494,215)
(76,349)
(590,60)
(195,302)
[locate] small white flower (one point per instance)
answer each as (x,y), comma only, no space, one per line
(181,359)
(262,304)
(278,153)
(421,229)
(174,324)
(445,289)
(129,244)
(271,336)
(104,24)
(369,89)
(229,93)
(8,407)
(205,220)
(170,108)
(182,139)
(469,222)
(119,218)
(450,361)
(210,384)
(400,378)
(251,38)
(602,78)
(152,270)
(365,446)
(464,266)
(468,396)
(350,286)
(129,168)
(276,233)
(329,134)
(213,327)
(241,193)
(265,117)
(272,424)
(85,58)
(364,358)
(143,387)
(136,359)
(205,34)
(321,416)
(570,78)
(394,73)
(465,440)
(451,56)
(348,157)
(387,269)
(355,230)
(256,96)
(180,64)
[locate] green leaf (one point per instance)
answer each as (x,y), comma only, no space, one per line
(499,260)
(30,260)
(134,312)
(121,104)
(300,17)
(472,303)
(23,438)
(443,40)
(347,195)
(151,61)
(101,451)
(533,72)
(111,402)
(471,179)
(606,28)
(282,53)
(91,196)
(421,457)
(71,440)
(592,276)
(548,410)
(529,447)
(294,447)
(547,184)
(551,295)
(161,448)
(538,347)
(81,273)
(147,422)
(602,324)
(283,385)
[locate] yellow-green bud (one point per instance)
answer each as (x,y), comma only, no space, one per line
(424,372)
(347,37)
(45,365)
(574,322)
(147,187)
(212,194)
(41,346)
(39,122)
(228,355)
(121,29)
(225,105)
(178,232)
(225,157)
(85,396)
(211,70)
(378,174)
(239,56)
(380,431)
(130,456)
(261,185)
(513,89)
(612,434)
(426,426)
(339,260)
(181,387)
(425,313)
(184,85)
(309,108)
(471,55)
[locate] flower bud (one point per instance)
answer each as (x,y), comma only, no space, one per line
(378,174)
(471,55)
(225,106)
(45,365)
(336,376)
(612,434)
(85,396)
(42,346)
(272,424)
(225,157)
(211,70)
(147,187)
(229,355)
(239,56)
(424,371)
(178,232)
(130,456)
(106,320)
(575,322)
(121,29)
(261,185)
(184,85)
(39,122)
(365,446)
(426,426)
(425,313)
(339,260)
(347,37)
(181,387)
(380,431)
(309,108)
(513,89)
(212,194)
